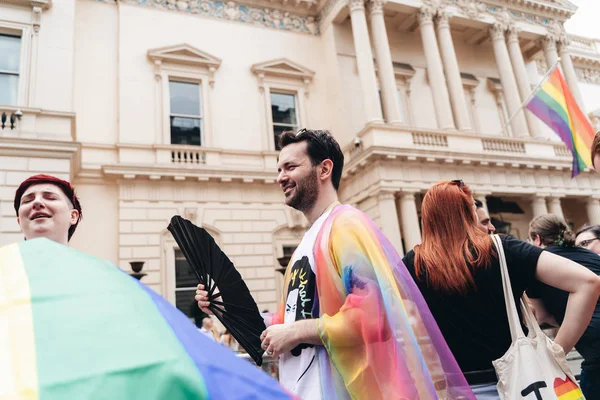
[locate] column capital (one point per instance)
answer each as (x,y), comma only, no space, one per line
(562,44)
(549,42)
(375,6)
(443,19)
(356,5)
(497,31)
(426,14)
(386,195)
(513,33)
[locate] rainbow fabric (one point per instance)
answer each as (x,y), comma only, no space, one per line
(555,105)
(380,339)
(76,327)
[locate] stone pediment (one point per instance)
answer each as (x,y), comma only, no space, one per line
(184,54)
(283,67)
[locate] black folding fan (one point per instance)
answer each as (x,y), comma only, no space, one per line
(232,304)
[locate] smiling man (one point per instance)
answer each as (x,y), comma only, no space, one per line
(351,323)
(47,206)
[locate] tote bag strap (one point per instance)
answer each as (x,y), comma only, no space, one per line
(530,319)
(516,331)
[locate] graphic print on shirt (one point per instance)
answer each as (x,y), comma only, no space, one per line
(301,293)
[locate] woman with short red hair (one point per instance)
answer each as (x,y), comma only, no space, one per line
(457,270)
(47,206)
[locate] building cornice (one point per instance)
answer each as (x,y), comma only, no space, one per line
(43,4)
(181,173)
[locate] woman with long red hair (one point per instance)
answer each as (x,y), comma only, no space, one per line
(457,270)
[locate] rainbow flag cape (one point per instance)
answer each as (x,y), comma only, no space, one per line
(554,104)
(73,326)
(380,341)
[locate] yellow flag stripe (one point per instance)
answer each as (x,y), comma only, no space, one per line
(18,372)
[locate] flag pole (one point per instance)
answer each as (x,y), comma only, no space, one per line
(533,92)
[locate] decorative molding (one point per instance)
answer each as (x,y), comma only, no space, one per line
(283,68)
(443,19)
(43,4)
(472,9)
(184,54)
(327,9)
(231,11)
(376,6)
(426,14)
(513,33)
(497,31)
(588,75)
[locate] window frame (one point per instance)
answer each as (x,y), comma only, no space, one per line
(183,63)
(24,82)
(200,116)
(284,76)
(296,105)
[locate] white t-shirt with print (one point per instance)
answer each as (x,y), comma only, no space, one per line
(299,369)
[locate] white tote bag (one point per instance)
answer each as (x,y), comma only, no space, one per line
(534,367)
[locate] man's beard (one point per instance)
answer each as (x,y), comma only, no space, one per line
(307,192)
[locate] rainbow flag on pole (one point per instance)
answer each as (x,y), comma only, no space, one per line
(554,104)
(73,326)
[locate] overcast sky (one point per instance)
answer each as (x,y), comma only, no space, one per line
(586,20)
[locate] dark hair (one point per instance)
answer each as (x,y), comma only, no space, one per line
(478,204)
(320,146)
(596,148)
(65,186)
(595,229)
(552,230)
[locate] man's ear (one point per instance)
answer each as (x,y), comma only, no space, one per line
(326,169)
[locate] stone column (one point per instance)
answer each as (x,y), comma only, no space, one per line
(389,221)
(507,77)
(593,210)
(569,71)
(364,60)
(555,207)
(385,68)
(524,86)
(549,46)
(455,86)
(538,206)
(410,220)
(435,70)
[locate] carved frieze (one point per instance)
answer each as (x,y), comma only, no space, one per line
(268,17)
(588,75)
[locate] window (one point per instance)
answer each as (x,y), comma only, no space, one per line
(185,285)
(186,113)
(284,111)
(10,48)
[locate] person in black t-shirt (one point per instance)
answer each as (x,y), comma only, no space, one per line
(551,232)
(457,270)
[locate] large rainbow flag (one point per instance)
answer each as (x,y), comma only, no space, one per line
(555,105)
(73,326)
